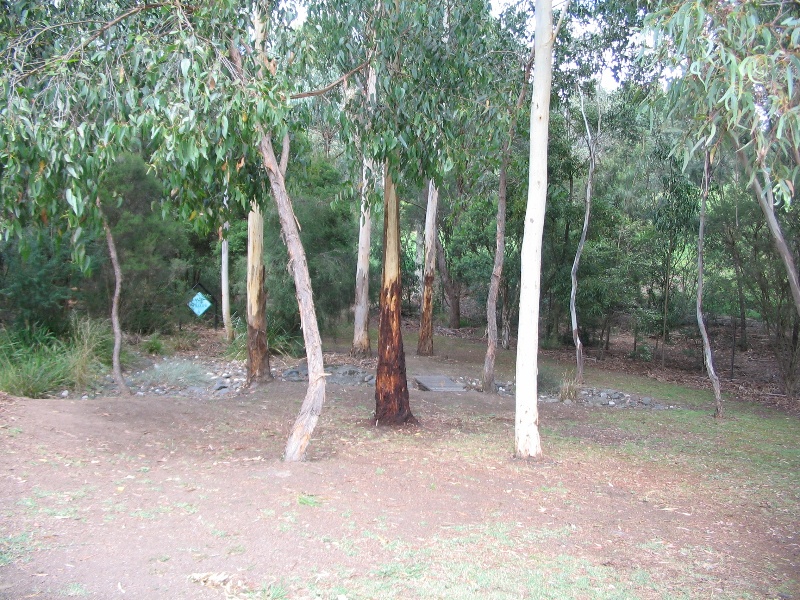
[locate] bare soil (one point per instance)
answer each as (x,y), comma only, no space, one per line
(185,497)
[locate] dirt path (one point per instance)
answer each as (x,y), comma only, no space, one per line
(183,497)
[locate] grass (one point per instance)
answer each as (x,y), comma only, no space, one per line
(34,362)
(14,548)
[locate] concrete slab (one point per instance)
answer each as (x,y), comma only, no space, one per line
(438,383)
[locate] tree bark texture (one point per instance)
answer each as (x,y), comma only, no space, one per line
(425,344)
(391,386)
(707,354)
(116,365)
(225,284)
(298,266)
(258,369)
(361,344)
(576,337)
(765,201)
(527,442)
(452,289)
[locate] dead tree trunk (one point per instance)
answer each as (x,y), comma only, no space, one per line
(116,365)
(391,386)
(298,266)
(707,354)
(258,369)
(425,344)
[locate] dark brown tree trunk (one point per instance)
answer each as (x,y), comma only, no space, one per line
(707,354)
(258,369)
(452,289)
(391,386)
(425,344)
(116,365)
(315,394)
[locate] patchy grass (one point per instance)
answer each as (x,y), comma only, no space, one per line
(172,372)
(15,548)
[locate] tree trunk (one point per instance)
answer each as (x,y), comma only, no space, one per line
(709,357)
(527,442)
(391,387)
(225,284)
(116,365)
(765,201)
(452,289)
(505,316)
(315,394)
(361,345)
(497,273)
(740,290)
(425,344)
(576,338)
(667,280)
(258,369)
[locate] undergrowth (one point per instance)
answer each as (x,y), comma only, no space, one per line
(279,341)
(34,361)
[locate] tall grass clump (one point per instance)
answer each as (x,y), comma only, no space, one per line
(279,340)
(35,362)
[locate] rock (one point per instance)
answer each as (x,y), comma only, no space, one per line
(646,401)
(603,395)
(65,394)
(220,385)
(612,403)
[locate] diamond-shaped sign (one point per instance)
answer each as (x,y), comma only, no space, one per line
(199,304)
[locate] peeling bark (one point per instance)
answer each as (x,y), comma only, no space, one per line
(391,386)
(258,369)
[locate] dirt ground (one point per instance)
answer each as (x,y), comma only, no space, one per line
(185,497)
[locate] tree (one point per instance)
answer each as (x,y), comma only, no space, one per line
(527,440)
(707,354)
(591,145)
(83,82)
(732,70)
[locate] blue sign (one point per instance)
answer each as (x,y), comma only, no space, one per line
(199,304)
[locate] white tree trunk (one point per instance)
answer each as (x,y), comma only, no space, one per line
(425,345)
(315,394)
(361,345)
(527,442)
(225,283)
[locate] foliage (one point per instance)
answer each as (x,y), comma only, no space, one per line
(37,280)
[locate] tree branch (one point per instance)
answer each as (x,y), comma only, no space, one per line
(328,88)
(284,155)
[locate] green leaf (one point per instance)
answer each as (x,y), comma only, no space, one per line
(185,64)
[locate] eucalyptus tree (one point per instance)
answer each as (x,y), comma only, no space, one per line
(527,442)
(733,69)
(83,82)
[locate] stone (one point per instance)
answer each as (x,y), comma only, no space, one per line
(647,401)
(65,394)
(220,385)
(438,383)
